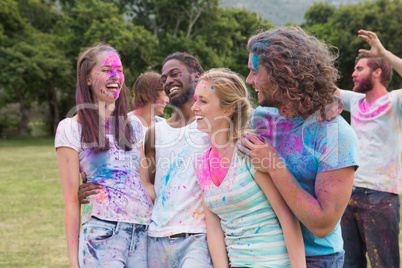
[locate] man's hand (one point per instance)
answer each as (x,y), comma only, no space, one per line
(87,189)
(258,150)
(377,49)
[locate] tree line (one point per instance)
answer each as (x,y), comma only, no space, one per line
(40,41)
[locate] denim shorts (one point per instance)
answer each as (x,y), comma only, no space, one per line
(188,251)
(112,244)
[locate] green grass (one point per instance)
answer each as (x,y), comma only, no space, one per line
(31,205)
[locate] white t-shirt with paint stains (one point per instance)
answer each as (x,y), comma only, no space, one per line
(378,126)
(123,197)
(178,205)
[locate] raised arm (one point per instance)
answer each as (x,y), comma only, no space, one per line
(378,50)
(68,162)
(289,223)
(215,239)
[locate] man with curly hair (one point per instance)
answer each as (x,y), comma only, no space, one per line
(370,223)
(312,162)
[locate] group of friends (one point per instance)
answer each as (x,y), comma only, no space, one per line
(290,184)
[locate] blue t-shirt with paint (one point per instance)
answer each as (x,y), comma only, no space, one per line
(308,147)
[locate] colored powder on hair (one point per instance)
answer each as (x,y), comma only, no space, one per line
(255,62)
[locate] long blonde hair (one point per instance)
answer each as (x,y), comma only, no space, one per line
(231,91)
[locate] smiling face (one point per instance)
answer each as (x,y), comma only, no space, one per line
(106,77)
(259,80)
(209,113)
(177,82)
(362,77)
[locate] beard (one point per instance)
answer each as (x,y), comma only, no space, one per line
(268,100)
(365,85)
(181,99)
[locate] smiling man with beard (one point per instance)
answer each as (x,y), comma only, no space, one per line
(371,220)
(311,162)
(177,233)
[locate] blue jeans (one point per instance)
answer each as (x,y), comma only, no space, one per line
(112,244)
(190,251)
(371,224)
(326,261)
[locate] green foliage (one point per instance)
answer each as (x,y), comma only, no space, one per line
(319,13)
(40,40)
(30,61)
(282,12)
(340,29)
(11,22)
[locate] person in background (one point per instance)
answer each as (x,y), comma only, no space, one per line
(149,99)
(370,223)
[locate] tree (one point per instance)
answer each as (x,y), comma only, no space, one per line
(89,22)
(340,29)
(32,67)
(41,40)
(319,13)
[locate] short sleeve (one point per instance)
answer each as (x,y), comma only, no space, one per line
(339,148)
(348,96)
(251,169)
(68,134)
(136,126)
(264,120)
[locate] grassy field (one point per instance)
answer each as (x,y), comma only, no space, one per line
(31,205)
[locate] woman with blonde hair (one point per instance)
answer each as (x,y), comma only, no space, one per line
(248,222)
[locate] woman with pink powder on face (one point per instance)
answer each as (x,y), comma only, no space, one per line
(248,222)
(100,141)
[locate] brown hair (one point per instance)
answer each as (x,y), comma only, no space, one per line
(378,63)
(92,132)
(146,89)
(300,67)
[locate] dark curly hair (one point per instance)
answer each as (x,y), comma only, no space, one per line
(300,67)
(190,61)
